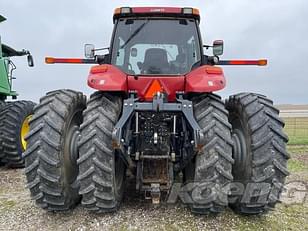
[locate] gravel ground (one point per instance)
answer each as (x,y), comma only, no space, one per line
(18,212)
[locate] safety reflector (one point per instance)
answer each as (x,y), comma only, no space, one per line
(153,89)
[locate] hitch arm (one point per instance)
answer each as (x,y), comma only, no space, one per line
(260,62)
(52,60)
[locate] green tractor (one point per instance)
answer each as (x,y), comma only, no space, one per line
(14,115)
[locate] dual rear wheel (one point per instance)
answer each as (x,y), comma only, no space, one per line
(244,161)
(60,166)
(70,155)
(260,155)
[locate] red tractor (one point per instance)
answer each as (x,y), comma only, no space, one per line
(154,117)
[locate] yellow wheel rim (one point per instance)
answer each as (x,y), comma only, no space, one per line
(25,128)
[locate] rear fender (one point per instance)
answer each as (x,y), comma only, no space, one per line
(205,79)
(107,78)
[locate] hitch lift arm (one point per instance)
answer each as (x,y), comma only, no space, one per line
(157,105)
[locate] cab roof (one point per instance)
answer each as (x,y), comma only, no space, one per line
(157,11)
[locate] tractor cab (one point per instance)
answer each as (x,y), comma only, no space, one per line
(155,49)
(160,41)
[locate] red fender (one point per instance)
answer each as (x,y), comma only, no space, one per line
(205,79)
(107,78)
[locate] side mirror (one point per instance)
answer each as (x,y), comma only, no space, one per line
(218,47)
(89,51)
(30,60)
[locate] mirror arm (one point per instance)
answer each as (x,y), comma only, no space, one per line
(207,46)
(101,49)
(204,60)
(210,60)
(103,59)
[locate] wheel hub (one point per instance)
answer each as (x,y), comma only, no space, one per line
(71,153)
(25,128)
(239,147)
(73,146)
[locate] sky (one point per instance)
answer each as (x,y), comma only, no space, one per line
(276,30)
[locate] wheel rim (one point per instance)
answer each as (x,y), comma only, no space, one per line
(25,128)
(71,148)
(239,148)
(240,154)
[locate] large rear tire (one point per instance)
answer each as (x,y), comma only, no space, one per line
(2,104)
(14,126)
(211,168)
(259,152)
(52,152)
(101,170)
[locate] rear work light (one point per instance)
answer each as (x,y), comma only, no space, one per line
(191,11)
(123,10)
(187,10)
(126,10)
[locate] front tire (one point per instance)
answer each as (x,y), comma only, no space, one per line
(51,155)
(259,152)
(101,170)
(14,126)
(211,168)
